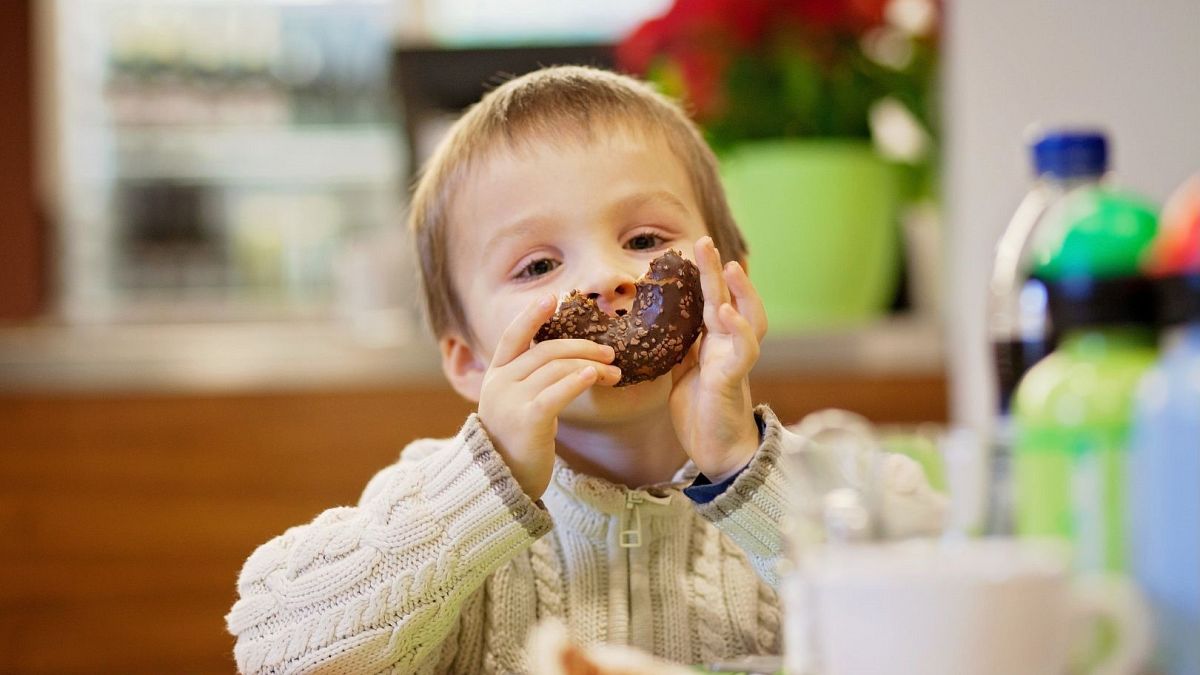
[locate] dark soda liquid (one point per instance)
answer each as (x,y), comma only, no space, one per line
(1014,358)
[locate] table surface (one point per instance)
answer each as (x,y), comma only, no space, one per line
(235,357)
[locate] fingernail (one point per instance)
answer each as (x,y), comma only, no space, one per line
(547,302)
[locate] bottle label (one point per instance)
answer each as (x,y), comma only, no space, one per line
(1087,512)
(1070,483)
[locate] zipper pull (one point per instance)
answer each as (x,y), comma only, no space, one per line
(631,536)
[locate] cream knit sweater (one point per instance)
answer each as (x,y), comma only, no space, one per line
(445,564)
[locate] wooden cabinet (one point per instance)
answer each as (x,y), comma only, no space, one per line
(125,518)
(22,264)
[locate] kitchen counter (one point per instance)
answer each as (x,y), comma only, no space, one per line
(241,357)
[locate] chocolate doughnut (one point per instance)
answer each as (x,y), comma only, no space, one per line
(667,315)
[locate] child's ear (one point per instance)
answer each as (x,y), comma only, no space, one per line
(462,366)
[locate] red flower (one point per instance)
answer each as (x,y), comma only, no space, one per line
(742,20)
(833,15)
(636,52)
(691,25)
(703,72)
(782,57)
(699,37)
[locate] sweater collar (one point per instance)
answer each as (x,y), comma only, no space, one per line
(598,494)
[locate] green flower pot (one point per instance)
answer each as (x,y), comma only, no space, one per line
(820,220)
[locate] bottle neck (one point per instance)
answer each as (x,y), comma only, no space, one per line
(1067,183)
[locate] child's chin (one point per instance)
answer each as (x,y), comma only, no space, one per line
(603,404)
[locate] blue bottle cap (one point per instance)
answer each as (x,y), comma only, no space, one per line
(1066,154)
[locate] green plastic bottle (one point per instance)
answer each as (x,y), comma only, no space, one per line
(1072,411)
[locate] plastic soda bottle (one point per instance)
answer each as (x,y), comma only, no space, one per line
(1018,319)
(1164,461)
(1072,410)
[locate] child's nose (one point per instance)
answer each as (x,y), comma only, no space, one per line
(614,295)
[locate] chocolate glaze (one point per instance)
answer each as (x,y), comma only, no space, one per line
(667,315)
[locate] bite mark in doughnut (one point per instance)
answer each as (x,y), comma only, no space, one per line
(666,318)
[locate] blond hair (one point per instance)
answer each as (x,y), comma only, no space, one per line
(547,104)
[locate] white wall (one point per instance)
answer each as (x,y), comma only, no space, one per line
(1131,66)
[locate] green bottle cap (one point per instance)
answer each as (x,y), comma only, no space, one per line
(1096,234)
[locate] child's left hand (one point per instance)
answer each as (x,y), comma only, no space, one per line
(710,399)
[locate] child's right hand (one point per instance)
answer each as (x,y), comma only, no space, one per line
(525,388)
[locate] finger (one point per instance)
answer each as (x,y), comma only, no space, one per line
(516,338)
(550,401)
(555,370)
(712,284)
(745,343)
(746,299)
(566,348)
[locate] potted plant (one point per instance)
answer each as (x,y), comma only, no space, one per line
(822,113)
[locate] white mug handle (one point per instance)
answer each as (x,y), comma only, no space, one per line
(1114,597)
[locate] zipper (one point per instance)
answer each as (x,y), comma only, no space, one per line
(637,593)
(631,534)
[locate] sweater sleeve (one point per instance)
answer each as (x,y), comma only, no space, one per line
(753,509)
(361,589)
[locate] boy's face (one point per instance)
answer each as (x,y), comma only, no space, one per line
(553,218)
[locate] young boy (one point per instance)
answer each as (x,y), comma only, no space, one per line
(646,515)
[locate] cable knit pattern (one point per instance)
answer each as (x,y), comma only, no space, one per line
(380,586)
(445,565)
(770,621)
(706,587)
(547,578)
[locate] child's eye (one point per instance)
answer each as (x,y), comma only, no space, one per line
(537,268)
(644,241)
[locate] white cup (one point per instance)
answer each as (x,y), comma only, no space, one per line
(968,607)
